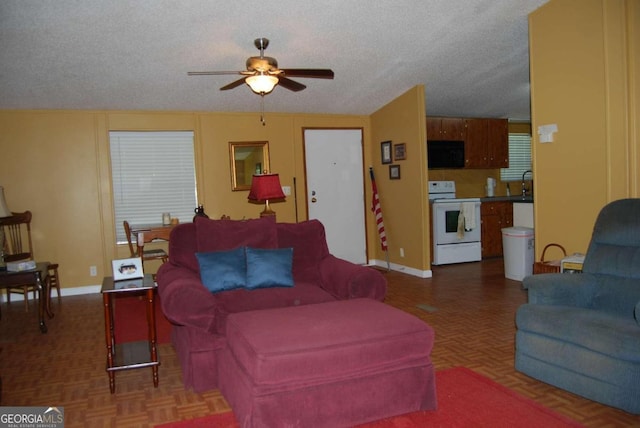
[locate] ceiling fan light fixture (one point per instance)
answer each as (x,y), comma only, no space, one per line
(262,83)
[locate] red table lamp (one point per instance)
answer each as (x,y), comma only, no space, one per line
(263,188)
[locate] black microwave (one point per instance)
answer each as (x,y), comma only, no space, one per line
(445,154)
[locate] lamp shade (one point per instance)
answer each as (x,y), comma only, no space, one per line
(4,209)
(265,187)
(262,83)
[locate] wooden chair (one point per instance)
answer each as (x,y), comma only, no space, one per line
(17,235)
(18,246)
(149,235)
(54,281)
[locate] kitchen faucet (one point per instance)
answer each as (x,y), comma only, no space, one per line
(524,187)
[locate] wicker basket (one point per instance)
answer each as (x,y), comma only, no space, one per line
(548,266)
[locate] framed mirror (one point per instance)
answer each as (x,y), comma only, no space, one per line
(247,158)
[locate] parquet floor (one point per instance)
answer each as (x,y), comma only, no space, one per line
(471,307)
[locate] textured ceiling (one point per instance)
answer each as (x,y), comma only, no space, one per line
(471,55)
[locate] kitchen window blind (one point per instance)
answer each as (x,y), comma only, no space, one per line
(519,157)
(152,173)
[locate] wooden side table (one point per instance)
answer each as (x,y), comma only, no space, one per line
(37,277)
(131,355)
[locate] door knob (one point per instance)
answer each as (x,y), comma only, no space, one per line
(314,200)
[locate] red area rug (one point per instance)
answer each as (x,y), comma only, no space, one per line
(130,320)
(465,399)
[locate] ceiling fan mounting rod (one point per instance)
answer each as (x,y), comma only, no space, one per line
(261,44)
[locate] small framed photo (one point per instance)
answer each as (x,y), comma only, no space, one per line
(126,269)
(400,151)
(385,152)
(394,172)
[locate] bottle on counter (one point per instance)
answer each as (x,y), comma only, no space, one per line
(199,212)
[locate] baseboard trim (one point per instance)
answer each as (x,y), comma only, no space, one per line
(401,268)
(71,291)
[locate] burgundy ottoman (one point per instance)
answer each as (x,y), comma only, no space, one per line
(326,365)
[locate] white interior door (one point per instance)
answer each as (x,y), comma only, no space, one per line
(335,189)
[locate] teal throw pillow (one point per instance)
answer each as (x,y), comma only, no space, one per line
(269,267)
(223,270)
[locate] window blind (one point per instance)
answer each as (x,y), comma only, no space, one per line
(519,157)
(152,173)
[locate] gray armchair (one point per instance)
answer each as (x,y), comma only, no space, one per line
(581,332)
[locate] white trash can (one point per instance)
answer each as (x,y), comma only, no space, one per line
(518,251)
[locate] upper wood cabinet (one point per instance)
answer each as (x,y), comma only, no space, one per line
(498,143)
(445,128)
(476,144)
(486,143)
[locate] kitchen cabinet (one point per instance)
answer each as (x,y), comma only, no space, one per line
(486,143)
(495,216)
(498,143)
(445,128)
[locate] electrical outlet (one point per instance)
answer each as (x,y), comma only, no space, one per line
(93,270)
(401,252)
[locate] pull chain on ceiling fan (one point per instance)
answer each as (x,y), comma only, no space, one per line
(262,74)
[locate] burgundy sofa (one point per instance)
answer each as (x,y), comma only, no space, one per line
(199,316)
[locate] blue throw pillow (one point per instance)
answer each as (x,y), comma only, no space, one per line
(269,267)
(223,270)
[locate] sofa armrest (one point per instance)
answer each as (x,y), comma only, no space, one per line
(185,301)
(561,289)
(346,280)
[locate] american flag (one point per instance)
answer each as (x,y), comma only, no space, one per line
(377,209)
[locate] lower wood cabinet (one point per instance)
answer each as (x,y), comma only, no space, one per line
(495,216)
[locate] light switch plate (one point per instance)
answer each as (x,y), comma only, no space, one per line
(545,132)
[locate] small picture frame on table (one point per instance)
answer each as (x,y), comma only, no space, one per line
(385,152)
(400,151)
(394,172)
(127,269)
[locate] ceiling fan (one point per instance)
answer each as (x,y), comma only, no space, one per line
(262,73)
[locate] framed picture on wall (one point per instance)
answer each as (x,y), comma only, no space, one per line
(400,151)
(394,172)
(385,152)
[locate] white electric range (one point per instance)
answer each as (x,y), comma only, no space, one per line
(455,239)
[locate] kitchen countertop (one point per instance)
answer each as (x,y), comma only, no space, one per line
(514,198)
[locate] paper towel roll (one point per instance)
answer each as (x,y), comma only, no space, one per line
(491,185)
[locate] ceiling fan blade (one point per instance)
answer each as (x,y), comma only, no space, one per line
(233,84)
(290,84)
(213,73)
(314,73)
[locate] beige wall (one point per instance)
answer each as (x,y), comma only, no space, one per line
(404,202)
(584,78)
(48,164)
(56,164)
